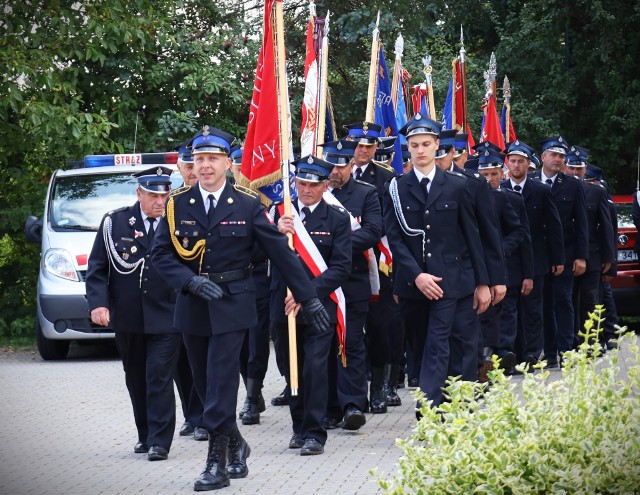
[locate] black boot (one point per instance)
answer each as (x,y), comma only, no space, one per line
(390,377)
(377,398)
(239,450)
(244,409)
(252,415)
(214,475)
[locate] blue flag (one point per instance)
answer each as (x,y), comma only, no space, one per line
(401,111)
(447,112)
(384,112)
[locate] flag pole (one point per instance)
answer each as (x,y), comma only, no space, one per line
(463,76)
(285,145)
(428,81)
(373,73)
(506,92)
(322,103)
(397,69)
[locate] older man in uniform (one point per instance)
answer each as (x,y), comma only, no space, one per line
(348,385)
(204,249)
(124,289)
(322,238)
(568,196)
(440,270)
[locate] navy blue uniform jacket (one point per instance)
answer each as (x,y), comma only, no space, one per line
(361,200)
(520,256)
(452,245)
(601,241)
(239,221)
(544,225)
(330,230)
(137,303)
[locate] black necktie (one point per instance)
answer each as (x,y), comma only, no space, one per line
(358,173)
(517,188)
(549,181)
(212,208)
(306,212)
(152,230)
(424,183)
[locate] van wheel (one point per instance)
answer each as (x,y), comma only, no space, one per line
(50,350)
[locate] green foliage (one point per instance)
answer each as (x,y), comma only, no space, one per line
(579,434)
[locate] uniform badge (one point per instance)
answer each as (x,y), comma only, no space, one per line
(125,256)
(339,146)
(418,116)
(134,250)
(230,201)
(159,171)
(137,233)
(185,242)
(310,160)
(132,220)
(191,201)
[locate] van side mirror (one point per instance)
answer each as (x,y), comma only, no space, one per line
(33,229)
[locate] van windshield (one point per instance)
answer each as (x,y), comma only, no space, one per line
(79,202)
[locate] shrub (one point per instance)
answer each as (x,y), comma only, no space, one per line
(577,434)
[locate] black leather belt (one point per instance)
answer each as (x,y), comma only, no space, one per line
(229,276)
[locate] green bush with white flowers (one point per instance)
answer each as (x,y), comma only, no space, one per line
(577,434)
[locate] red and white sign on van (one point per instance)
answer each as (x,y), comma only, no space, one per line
(129,159)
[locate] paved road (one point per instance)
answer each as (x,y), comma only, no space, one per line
(67,428)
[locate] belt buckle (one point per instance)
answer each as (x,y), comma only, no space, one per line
(205,274)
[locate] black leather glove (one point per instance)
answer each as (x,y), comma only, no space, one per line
(316,317)
(203,287)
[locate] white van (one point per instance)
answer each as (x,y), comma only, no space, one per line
(76,202)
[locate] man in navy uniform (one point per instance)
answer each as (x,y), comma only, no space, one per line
(548,246)
(326,259)
(125,290)
(568,196)
(602,249)
(203,249)
(348,385)
(438,258)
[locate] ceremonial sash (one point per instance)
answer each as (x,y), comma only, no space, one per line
(369,254)
(386,260)
(308,252)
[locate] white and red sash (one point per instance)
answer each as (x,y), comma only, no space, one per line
(386,260)
(369,254)
(308,252)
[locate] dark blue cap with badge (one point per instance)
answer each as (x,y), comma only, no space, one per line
(406,155)
(211,140)
(557,144)
(487,146)
(385,149)
(313,169)
(490,158)
(594,173)
(236,154)
(184,154)
(471,163)
(517,147)
(577,156)
(338,152)
(363,132)
(447,142)
(419,124)
(460,144)
(155,180)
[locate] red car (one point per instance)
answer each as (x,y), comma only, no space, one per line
(626,285)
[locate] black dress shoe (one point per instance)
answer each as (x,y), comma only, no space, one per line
(508,360)
(413,383)
(140,448)
(330,423)
(158,453)
(280,400)
(296,441)
(311,447)
(186,429)
(200,434)
(354,418)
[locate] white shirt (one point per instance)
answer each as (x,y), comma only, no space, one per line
(311,208)
(514,184)
(362,169)
(147,224)
(429,176)
(216,196)
(544,178)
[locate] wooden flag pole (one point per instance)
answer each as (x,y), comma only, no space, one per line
(322,101)
(397,69)
(506,92)
(285,145)
(428,80)
(463,77)
(373,73)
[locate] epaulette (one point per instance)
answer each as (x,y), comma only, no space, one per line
(245,190)
(364,183)
(455,173)
(341,209)
(180,190)
(383,166)
(116,210)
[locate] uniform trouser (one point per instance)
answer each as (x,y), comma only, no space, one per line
(149,362)
(585,297)
(490,326)
(385,332)
(450,332)
(559,315)
(510,317)
(310,405)
(349,385)
(215,361)
(254,355)
(192,407)
(610,314)
(532,322)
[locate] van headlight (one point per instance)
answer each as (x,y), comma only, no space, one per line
(58,262)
